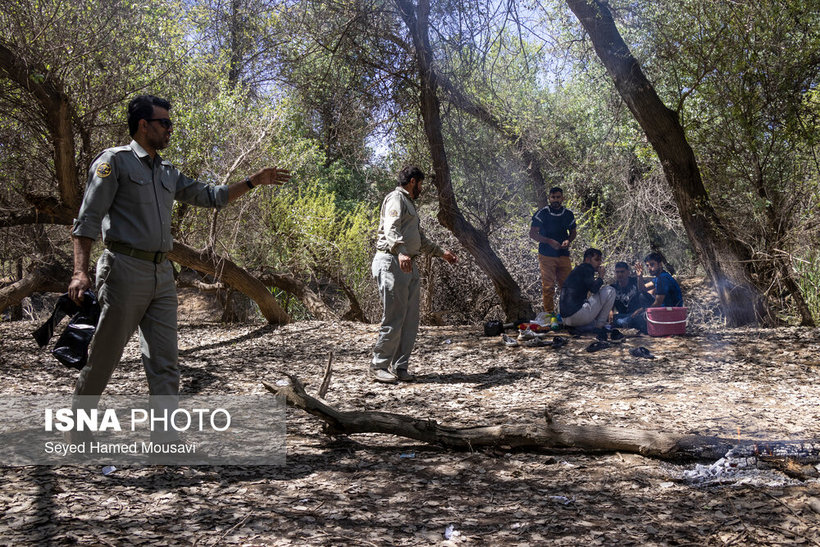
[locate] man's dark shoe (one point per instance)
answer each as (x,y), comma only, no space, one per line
(615,335)
(598,346)
(600,335)
(383,375)
(403,376)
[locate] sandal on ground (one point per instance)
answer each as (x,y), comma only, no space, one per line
(559,342)
(598,346)
(641,351)
(509,341)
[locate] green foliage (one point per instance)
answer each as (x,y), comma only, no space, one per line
(808,275)
(95,55)
(308,231)
(744,77)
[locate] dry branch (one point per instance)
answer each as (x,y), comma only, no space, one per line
(540,436)
(312,301)
(224,270)
(326,378)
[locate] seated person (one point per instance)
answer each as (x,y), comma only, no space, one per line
(666,289)
(631,297)
(585,301)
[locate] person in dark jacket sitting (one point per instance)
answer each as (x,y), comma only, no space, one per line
(585,301)
(631,297)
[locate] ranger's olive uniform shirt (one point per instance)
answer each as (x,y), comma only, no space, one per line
(399,227)
(130,198)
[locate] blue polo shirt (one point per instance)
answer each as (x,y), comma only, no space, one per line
(554,226)
(665,284)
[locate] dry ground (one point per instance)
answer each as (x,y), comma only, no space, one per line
(377,490)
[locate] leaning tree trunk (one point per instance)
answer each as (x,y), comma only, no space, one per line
(532,163)
(46,278)
(57,115)
(355,313)
(778,227)
(515,305)
(312,301)
(725,258)
(228,272)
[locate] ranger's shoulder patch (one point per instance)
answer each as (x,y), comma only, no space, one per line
(103,169)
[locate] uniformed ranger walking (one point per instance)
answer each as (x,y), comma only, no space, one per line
(400,241)
(129,199)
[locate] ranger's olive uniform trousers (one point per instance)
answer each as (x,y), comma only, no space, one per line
(134,293)
(399,292)
(129,199)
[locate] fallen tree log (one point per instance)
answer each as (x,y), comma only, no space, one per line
(224,270)
(45,278)
(543,436)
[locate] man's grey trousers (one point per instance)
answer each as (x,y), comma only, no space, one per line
(399,292)
(134,293)
(595,310)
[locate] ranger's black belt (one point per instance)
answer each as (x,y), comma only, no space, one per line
(122,248)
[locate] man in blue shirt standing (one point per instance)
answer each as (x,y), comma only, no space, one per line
(553,227)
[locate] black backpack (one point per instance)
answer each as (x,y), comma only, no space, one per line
(493,328)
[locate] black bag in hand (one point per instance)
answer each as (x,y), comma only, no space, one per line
(71,348)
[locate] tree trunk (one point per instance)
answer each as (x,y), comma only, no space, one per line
(793,289)
(724,258)
(55,278)
(16,311)
(312,301)
(225,270)
(236,39)
(48,278)
(426,300)
(58,115)
(355,313)
(515,305)
(541,436)
(776,234)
